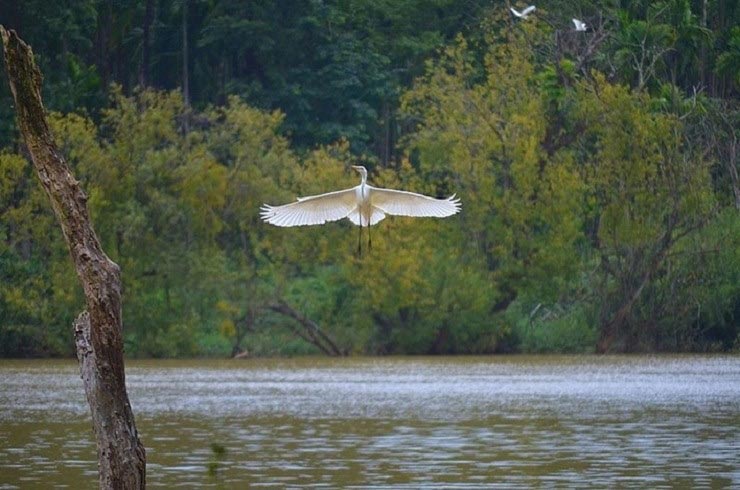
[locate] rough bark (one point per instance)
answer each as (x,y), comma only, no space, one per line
(121,456)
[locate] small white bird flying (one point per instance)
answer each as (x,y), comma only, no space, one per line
(580,26)
(364,205)
(524,13)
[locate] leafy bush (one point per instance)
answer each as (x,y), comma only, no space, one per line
(550,328)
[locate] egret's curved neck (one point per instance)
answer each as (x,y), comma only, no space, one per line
(363,173)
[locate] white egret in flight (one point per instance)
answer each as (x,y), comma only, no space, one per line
(580,26)
(364,205)
(524,13)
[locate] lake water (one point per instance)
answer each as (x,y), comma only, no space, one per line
(474,422)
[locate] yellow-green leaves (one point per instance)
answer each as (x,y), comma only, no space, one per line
(12,167)
(202,184)
(488,132)
(638,171)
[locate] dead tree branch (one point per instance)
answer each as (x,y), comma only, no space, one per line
(121,456)
(310,332)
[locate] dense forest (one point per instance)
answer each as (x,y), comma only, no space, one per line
(598,172)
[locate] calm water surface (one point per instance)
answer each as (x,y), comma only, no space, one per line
(508,422)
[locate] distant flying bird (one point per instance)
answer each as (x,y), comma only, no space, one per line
(524,13)
(364,205)
(580,26)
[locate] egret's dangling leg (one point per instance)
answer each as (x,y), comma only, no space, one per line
(369,239)
(359,240)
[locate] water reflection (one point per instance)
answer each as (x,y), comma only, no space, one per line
(513,422)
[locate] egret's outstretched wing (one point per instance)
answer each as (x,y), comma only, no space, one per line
(528,10)
(515,12)
(402,203)
(311,210)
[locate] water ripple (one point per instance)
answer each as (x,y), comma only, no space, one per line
(504,422)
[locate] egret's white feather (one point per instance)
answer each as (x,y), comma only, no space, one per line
(524,13)
(580,25)
(404,203)
(376,217)
(312,210)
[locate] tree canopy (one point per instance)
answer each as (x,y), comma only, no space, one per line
(598,172)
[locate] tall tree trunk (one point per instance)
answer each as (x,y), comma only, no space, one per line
(385,149)
(144,69)
(121,456)
(185,73)
(102,43)
(703,56)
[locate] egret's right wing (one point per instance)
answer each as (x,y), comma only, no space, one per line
(403,203)
(515,12)
(311,210)
(528,10)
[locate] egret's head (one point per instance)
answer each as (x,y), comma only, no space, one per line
(362,170)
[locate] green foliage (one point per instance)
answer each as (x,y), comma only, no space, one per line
(597,170)
(337,69)
(648,191)
(489,137)
(728,63)
(700,290)
(542,328)
(35,271)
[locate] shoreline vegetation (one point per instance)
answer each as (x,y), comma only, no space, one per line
(598,173)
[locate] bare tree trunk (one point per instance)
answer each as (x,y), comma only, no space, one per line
(144,69)
(103,55)
(185,70)
(703,56)
(121,456)
(385,144)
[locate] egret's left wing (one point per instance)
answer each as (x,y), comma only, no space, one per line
(311,210)
(528,10)
(403,203)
